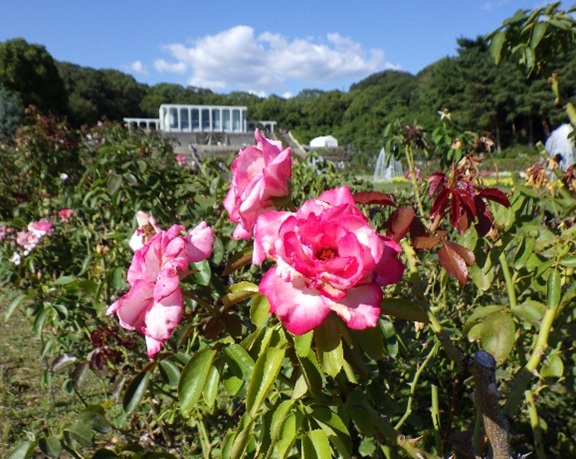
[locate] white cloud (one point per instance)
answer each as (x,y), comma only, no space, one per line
(137,67)
(237,59)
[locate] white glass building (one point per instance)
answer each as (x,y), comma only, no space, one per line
(201,118)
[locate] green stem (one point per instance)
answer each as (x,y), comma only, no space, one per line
(413,179)
(535,424)
(436,418)
(508,279)
(524,376)
(413,384)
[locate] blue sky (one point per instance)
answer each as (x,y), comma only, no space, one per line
(265,47)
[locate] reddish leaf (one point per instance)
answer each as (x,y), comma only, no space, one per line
(399,223)
(453,263)
(494,194)
(437,180)
(417,228)
(425,242)
(465,254)
(374,197)
(441,202)
(485,217)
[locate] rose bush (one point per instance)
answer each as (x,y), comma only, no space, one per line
(328,258)
(260,174)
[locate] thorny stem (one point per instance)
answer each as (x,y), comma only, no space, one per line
(395,437)
(413,384)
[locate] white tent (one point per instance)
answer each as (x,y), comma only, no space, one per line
(325,141)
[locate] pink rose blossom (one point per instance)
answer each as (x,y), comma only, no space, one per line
(42,227)
(27,239)
(154,304)
(181,159)
(328,258)
(147,227)
(65,214)
(259,174)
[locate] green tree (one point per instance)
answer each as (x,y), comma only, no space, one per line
(30,72)
(11,112)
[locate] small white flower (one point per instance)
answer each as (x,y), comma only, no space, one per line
(63,176)
(16,258)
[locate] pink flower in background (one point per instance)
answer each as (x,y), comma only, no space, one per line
(259,174)
(65,214)
(154,304)
(27,239)
(328,258)
(42,227)
(147,227)
(181,159)
(3,232)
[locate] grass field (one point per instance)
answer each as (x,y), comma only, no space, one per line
(26,406)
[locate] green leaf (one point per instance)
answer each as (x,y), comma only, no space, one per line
(479,314)
(170,372)
(15,303)
(239,292)
(211,386)
(530,311)
(496,333)
(239,361)
(50,446)
(259,309)
(113,183)
(329,346)
(554,292)
(287,435)
(264,375)
(312,373)
(303,343)
(242,437)
(371,341)
(203,272)
(135,391)
(23,450)
(193,379)
(64,280)
(569,262)
(538,32)
(403,309)
(552,367)
(496,44)
(335,429)
(315,445)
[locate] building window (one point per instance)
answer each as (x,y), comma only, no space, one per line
(226,119)
(184,119)
(195,119)
(173,118)
(236,120)
(216,119)
(205,119)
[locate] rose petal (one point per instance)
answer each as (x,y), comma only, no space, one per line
(299,308)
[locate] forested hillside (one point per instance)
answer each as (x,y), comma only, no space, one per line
(480,96)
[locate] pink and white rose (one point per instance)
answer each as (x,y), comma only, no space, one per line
(154,304)
(328,258)
(41,228)
(260,174)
